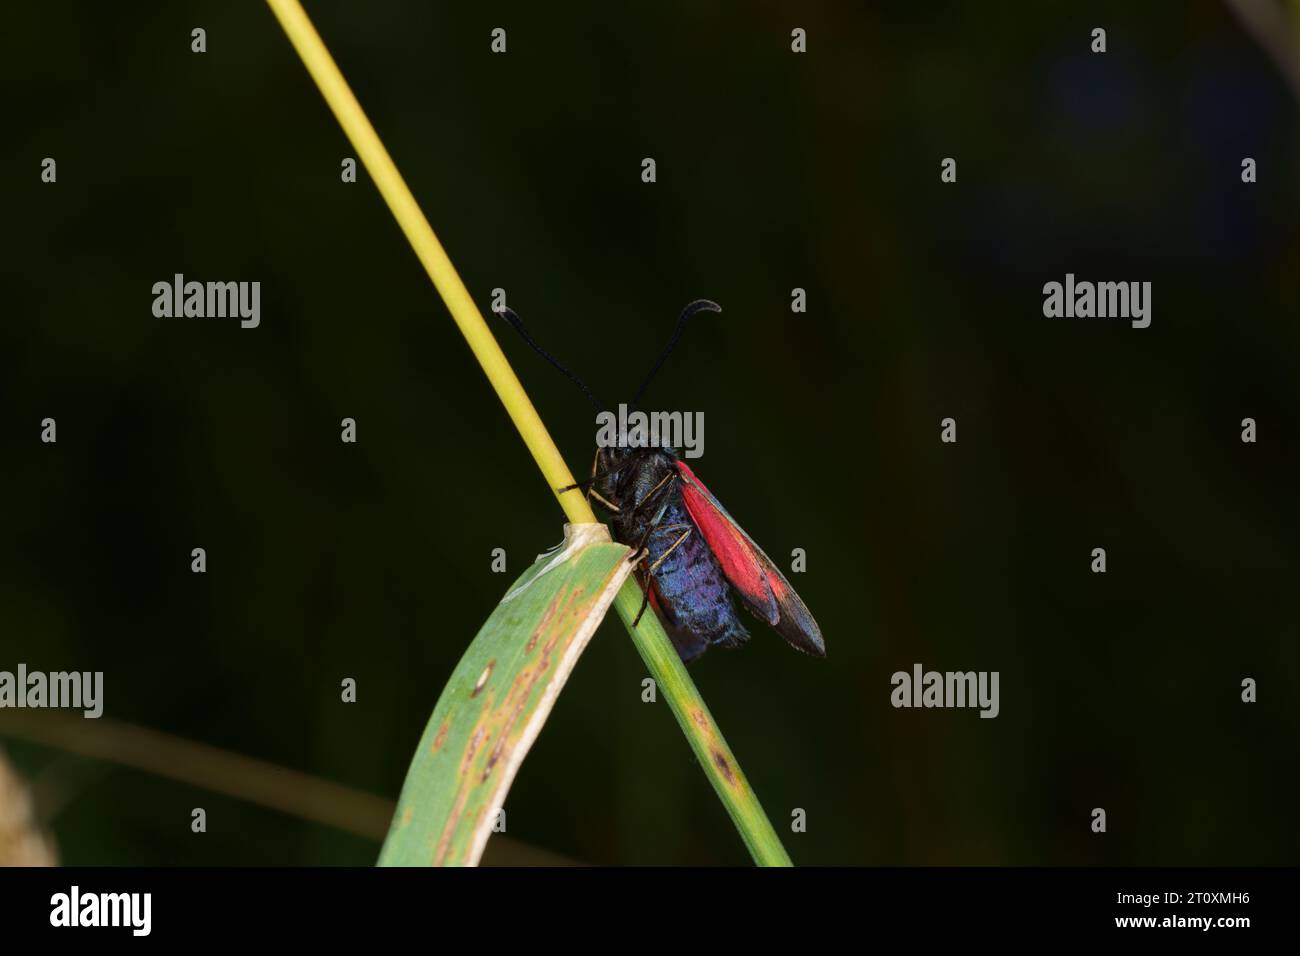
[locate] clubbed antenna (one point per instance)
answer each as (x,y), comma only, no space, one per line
(518,325)
(699,305)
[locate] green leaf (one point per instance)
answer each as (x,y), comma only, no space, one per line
(499,696)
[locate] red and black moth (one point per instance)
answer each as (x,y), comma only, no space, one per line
(691,554)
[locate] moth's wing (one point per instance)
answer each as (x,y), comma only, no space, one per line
(743,564)
(689,645)
(761,586)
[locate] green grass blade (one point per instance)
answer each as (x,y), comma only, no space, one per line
(716,759)
(498,697)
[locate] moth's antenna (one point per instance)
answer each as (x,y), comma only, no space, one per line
(518,325)
(699,305)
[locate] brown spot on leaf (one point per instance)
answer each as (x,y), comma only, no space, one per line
(441,851)
(501,720)
(479,736)
(507,718)
(701,719)
(724,766)
(441,736)
(545,623)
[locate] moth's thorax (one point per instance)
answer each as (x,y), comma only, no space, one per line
(631,475)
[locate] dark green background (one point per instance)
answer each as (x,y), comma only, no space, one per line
(822,430)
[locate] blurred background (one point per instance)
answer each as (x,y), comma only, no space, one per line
(775,171)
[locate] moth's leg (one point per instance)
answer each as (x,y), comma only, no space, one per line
(645,600)
(654,525)
(655,490)
(590,485)
(582,484)
(643,552)
(586,482)
(649,571)
(671,548)
(595,466)
(666,528)
(664,484)
(596,474)
(593,493)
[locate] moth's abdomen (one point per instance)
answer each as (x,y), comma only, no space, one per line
(692,590)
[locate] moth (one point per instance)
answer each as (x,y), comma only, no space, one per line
(692,556)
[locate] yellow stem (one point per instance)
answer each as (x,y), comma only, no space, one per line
(420,234)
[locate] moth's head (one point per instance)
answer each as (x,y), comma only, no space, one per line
(611,459)
(615,459)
